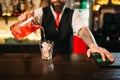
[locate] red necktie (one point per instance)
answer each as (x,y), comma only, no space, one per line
(57,19)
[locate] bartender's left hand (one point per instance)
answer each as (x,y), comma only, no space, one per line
(104,53)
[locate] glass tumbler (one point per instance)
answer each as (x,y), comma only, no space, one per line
(46,48)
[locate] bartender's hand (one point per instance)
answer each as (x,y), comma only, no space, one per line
(26,15)
(104,53)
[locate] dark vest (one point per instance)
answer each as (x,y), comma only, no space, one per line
(63,35)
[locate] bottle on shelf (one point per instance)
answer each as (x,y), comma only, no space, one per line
(16,8)
(23,6)
(0,9)
(30,4)
(4,8)
(10,7)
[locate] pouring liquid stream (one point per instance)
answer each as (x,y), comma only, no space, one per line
(44,38)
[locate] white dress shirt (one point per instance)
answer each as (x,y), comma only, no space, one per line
(77,19)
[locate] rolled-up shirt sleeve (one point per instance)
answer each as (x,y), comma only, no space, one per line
(77,22)
(38,13)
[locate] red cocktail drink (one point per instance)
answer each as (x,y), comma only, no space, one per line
(22,29)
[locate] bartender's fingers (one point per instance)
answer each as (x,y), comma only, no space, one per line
(89,52)
(103,52)
(35,20)
(103,56)
(109,55)
(30,14)
(26,15)
(23,16)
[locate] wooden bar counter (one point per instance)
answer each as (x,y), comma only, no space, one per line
(30,66)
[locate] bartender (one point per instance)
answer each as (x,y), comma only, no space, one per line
(60,22)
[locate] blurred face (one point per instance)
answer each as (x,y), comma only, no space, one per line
(58,4)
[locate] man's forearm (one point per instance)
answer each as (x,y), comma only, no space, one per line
(87,36)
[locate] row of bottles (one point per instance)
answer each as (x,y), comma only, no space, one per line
(15,7)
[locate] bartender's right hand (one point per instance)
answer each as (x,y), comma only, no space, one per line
(26,15)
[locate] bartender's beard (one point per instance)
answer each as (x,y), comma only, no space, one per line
(58,6)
